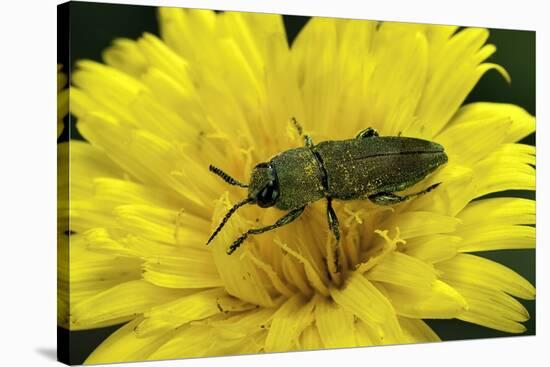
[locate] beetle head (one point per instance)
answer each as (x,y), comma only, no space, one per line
(264,186)
(262,190)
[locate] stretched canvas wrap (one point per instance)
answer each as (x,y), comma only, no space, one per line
(239,183)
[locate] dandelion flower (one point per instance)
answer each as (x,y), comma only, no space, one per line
(62,99)
(62,198)
(220,89)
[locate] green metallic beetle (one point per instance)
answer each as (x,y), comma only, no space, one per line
(367,167)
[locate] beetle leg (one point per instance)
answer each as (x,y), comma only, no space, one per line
(334,227)
(286,219)
(333,220)
(307,139)
(387,198)
(369,132)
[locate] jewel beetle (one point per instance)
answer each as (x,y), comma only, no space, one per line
(369,166)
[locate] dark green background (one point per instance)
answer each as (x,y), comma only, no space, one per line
(94,26)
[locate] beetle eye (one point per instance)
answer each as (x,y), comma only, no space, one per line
(268,195)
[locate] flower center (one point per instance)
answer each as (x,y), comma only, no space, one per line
(304,256)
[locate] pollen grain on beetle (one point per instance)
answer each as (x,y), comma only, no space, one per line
(221,89)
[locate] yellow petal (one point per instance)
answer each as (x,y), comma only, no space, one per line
(126,299)
(495,224)
(222,58)
(522,125)
(195,306)
(125,146)
(178,95)
(400,269)
(152,116)
(93,272)
(505,171)
(456,190)
(118,243)
(317,72)
(81,103)
(200,340)
(363,299)
(63,186)
(314,278)
(250,344)
(125,56)
(288,323)
(439,302)
(147,221)
(438,36)
(190,268)
(334,83)
(493,309)
(159,224)
(395,85)
(240,276)
(278,283)
(420,223)
(499,211)
(85,214)
(486,237)
(335,325)
(310,339)
(189,341)
(113,137)
(235,25)
(417,331)
(112,192)
(455,69)
(468,142)
(174,26)
(502,303)
(364,336)
(110,88)
(63,284)
(88,162)
(161,57)
(62,104)
(517,152)
(124,346)
(244,323)
(296,275)
(475,270)
(432,249)
(101,240)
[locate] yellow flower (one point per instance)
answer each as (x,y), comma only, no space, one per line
(220,89)
(62,209)
(62,99)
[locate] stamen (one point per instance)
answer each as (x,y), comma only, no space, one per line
(312,275)
(390,245)
(273,276)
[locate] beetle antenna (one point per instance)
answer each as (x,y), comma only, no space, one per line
(227,216)
(230,180)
